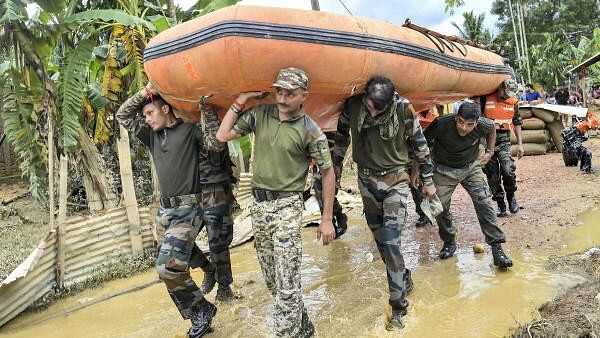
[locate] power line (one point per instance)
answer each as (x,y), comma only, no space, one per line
(343,4)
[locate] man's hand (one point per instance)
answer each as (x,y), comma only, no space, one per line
(429,190)
(520,151)
(244,97)
(486,157)
(149,88)
(325,231)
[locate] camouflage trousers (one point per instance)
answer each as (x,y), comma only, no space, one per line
(178,228)
(216,202)
(500,171)
(277,227)
(472,179)
(384,204)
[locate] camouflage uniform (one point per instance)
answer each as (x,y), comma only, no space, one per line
(282,153)
(383,163)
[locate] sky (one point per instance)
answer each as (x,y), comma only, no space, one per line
(427,13)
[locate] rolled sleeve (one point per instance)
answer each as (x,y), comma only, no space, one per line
(246,123)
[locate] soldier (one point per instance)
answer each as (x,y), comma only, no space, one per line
(502,107)
(174,146)
(383,127)
(455,154)
(340,220)
(217,200)
(425,118)
(285,139)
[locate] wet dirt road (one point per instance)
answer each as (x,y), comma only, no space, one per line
(344,290)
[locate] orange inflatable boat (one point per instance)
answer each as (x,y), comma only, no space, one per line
(241,48)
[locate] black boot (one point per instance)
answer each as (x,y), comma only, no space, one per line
(224,293)
(448,250)
(308,329)
(501,209)
(202,315)
(423,221)
(396,322)
(501,260)
(341,224)
(513,206)
(209,281)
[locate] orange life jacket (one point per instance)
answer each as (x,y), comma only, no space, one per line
(429,117)
(501,112)
(589,123)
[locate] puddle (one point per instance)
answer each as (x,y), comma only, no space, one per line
(344,290)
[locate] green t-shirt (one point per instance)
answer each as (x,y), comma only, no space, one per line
(283,148)
(451,149)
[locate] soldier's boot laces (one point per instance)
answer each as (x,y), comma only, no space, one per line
(501,260)
(448,250)
(202,316)
(308,329)
(502,209)
(209,281)
(224,293)
(422,221)
(396,322)
(341,224)
(513,206)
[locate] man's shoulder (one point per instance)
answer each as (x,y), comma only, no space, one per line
(446,119)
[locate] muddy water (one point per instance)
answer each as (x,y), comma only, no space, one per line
(345,293)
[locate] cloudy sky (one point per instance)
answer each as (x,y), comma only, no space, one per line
(428,13)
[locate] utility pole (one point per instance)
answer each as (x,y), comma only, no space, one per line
(524,38)
(315,5)
(517,43)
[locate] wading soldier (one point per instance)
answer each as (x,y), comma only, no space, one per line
(384,126)
(174,146)
(456,140)
(502,107)
(285,139)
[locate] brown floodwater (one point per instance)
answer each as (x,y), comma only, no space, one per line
(345,292)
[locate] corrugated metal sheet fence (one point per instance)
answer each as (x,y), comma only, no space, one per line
(89,242)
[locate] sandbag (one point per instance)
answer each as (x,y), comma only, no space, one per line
(531,136)
(544,115)
(530,149)
(525,112)
(555,128)
(533,123)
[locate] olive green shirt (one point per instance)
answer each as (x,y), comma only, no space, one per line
(283,148)
(451,149)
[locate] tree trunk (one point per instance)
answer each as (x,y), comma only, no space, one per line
(172,10)
(98,191)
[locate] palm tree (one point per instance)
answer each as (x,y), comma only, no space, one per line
(473,28)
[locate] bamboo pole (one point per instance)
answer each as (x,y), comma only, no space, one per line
(130,201)
(512,18)
(62,217)
(524,40)
(51,168)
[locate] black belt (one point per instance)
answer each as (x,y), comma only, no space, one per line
(371,172)
(261,195)
(176,201)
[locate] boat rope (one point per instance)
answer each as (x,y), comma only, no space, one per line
(343,4)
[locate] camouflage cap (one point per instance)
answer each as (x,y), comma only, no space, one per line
(291,78)
(510,88)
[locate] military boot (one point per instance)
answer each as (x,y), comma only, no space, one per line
(224,293)
(209,281)
(202,315)
(341,224)
(501,260)
(307,329)
(501,209)
(396,322)
(448,250)
(513,206)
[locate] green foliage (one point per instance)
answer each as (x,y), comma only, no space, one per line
(207,6)
(73,87)
(12,10)
(452,4)
(109,15)
(550,59)
(473,28)
(20,120)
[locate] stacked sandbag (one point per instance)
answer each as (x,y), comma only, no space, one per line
(553,124)
(534,134)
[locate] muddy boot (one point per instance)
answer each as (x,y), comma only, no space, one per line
(342,224)
(202,315)
(501,260)
(423,221)
(209,281)
(308,329)
(448,250)
(513,206)
(501,209)
(408,282)
(224,293)
(396,322)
